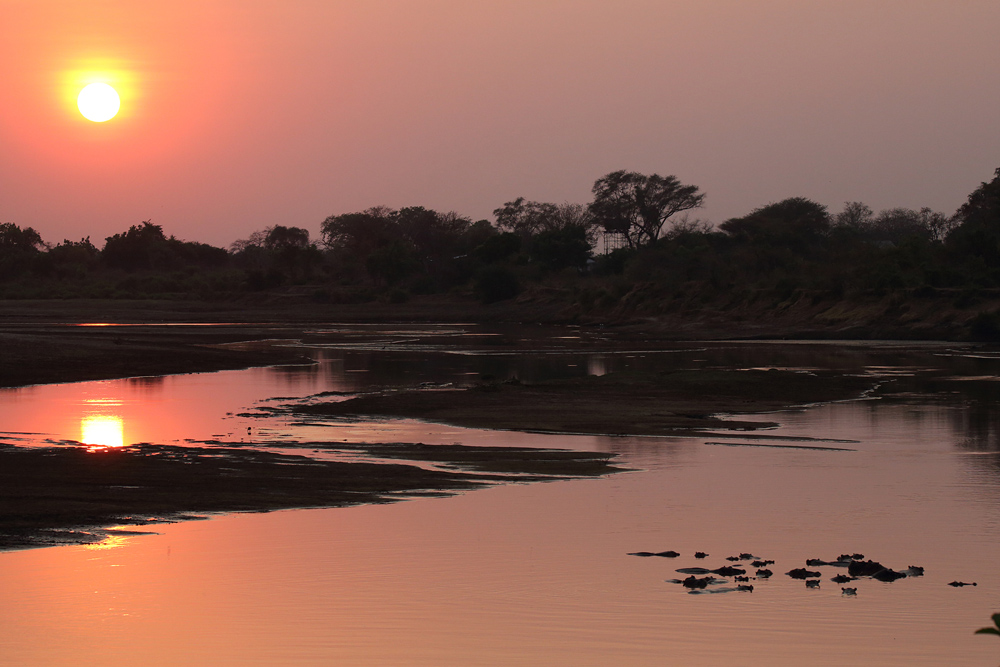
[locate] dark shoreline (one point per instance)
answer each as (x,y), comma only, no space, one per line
(41,344)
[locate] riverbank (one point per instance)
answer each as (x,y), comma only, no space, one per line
(42,344)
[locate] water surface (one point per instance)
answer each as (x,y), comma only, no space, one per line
(538,573)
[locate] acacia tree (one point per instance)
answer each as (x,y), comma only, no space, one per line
(640,205)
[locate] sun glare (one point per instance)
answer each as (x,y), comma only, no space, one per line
(98,102)
(102,431)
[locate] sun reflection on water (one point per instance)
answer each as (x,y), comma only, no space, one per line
(102,431)
(109,542)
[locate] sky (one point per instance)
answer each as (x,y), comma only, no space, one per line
(241,114)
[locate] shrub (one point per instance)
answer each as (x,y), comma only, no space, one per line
(496,283)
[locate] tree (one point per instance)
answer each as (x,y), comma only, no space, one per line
(497,248)
(392,262)
(976,229)
(561,248)
(525,218)
(358,234)
(528,218)
(435,236)
(640,205)
(145,247)
(142,246)
(892,225)
(13,237)
(277,254)
(425,241)
(283,238)
(856,216)
(19,249)
(796,223)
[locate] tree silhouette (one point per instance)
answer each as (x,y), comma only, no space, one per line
(639,205)
(977,225)
(797,223)
(528,218)
(142,246)
(13,237)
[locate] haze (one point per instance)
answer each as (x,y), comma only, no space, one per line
(255,113)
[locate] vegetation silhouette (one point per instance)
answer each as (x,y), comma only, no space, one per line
(882,269)
(638,206)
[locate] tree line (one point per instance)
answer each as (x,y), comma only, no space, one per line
(634,240)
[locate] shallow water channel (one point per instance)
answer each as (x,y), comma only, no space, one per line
(538,574)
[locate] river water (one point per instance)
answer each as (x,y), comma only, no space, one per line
(539,574)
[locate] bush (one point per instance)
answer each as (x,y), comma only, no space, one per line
(613,263)
(560,248)
(985,327)
(496,283)
(498,248)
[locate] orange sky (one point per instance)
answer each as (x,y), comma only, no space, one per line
(237,115)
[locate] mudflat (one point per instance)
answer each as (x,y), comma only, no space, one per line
(69,495)
(49,355)
(613,404)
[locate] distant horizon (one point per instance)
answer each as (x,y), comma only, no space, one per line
(237,116)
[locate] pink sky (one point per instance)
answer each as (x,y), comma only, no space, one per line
(240,114)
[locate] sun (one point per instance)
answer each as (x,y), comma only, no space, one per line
(98,102)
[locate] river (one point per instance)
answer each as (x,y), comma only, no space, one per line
(539,574)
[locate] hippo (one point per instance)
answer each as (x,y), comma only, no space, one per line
(802,573)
